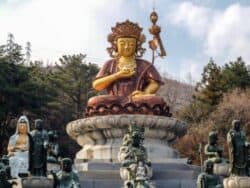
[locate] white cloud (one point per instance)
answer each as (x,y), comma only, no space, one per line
(224,34)
(194,18)
(229,34)
(59,26)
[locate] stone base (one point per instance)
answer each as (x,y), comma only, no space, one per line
(165,175)
(33,182)
(237,182)
(221,169)
(158,151)
(101,136)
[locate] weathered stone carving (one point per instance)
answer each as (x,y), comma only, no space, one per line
(18,148)
(238,150)
(53,147)
(136,168)
(66,177)
(214,153)
(207,179)
(238,157)
(38,166)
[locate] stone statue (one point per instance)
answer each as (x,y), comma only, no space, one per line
(238,150)
(133,158)
(38,150)
(66,177)
(131,82)
(212,150)
(5,173)
(4,178)
(18,148)
(53,147)
(132,150)
(207,179)
(5,164)
(142,179)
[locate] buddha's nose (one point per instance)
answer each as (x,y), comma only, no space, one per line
(126,46)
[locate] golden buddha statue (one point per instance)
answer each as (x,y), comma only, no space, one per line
(131,82)
(18,148)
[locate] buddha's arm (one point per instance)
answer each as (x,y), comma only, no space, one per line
(151,89)
(102,83)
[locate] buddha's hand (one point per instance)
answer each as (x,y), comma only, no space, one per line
(137,93)
(124,73)
(10,154)
(21,148)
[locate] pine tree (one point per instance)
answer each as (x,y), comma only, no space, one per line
(236,75)
(73,80)
(210,89)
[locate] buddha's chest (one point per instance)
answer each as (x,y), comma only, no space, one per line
(239,140)
(22,140)
(212,148)
(211,181)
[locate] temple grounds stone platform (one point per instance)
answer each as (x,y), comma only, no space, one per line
(166,175)
(101,137)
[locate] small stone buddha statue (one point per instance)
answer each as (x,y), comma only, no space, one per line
(131,82)
(66,177)
(212,150)
(207,179)
(18,148)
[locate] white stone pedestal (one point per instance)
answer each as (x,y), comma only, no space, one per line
(237,182)
(101,136)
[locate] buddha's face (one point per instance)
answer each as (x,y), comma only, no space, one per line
(22,128)
(126,46)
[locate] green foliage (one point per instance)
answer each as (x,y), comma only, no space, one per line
(56,94)
(236,75)
(210,89)
(12,51)
(73,79)
(215,82)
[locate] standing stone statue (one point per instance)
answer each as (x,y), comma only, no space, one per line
(38,166)
(18,148)
(207,179)
(238,150)
(66,177)
(53,147)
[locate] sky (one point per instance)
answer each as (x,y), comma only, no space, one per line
(192,31)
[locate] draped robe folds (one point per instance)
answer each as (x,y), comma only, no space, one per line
(19,162)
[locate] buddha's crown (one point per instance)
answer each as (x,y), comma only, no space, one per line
(125,29)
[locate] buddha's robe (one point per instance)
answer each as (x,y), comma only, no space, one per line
(119,91)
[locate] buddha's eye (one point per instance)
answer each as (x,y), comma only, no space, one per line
(122,43)
(131,44)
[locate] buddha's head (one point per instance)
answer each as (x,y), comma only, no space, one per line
(39,124)
(22,128)
(236,125)
(208,166)
(66,165)
(23,125)
(213,138)
(126,40)
(126,46)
